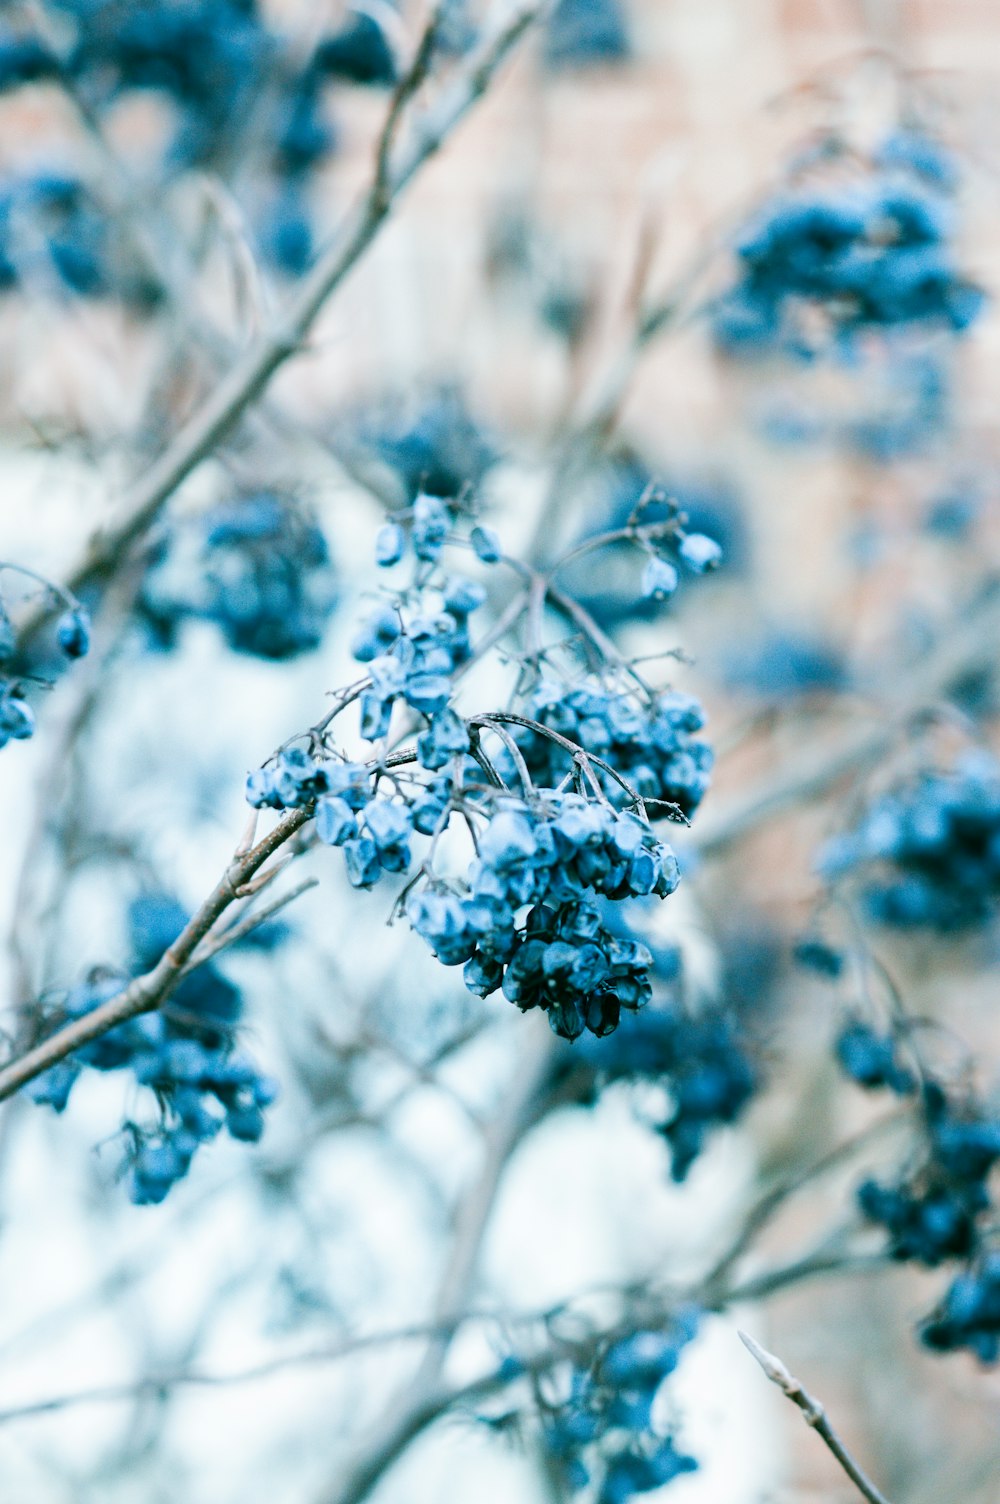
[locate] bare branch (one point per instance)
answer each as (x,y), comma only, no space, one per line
(212,945)
(814,1416)
(163,1383)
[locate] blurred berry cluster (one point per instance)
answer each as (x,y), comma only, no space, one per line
(701,1059)
(605,1432)
(940,1208)
(584,33)
(436,447)
(831,260)
(257,566)
(184,1054)
(927,853)
(240,92)
(55,238)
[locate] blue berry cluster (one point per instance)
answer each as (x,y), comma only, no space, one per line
(439,449)
(605,1431)
(653,746)
(552,857)
(927,853)
(969,1314)
(940,1208)
(702,1060)
(184,1054)
(556,855)
(874,253)
(263,575)
(529,914)
(219,63)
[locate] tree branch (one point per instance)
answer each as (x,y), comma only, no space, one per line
(153,988)
(815,1416)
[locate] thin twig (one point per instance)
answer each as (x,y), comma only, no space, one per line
(815,1416)
(162,1383)
(774,1197)
(212,945)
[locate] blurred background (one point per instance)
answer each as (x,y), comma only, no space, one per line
(541,324)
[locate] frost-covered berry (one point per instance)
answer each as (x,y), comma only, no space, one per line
(390,543)
(699,552)
(659,579)
(486,544)
(430,527)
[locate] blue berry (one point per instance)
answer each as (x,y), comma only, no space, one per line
(73,632)
(871,1059)
(486,544)
(390,545)
(660,579)
(699,552)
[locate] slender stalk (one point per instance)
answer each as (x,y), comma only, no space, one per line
(814,1415)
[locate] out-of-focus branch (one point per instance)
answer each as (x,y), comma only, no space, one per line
(969,647)
(164,1383)
(797,1271)
(589,429)
(775,1197)
(403,1423)
(814,1415)
(409,1411)
(252,371)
